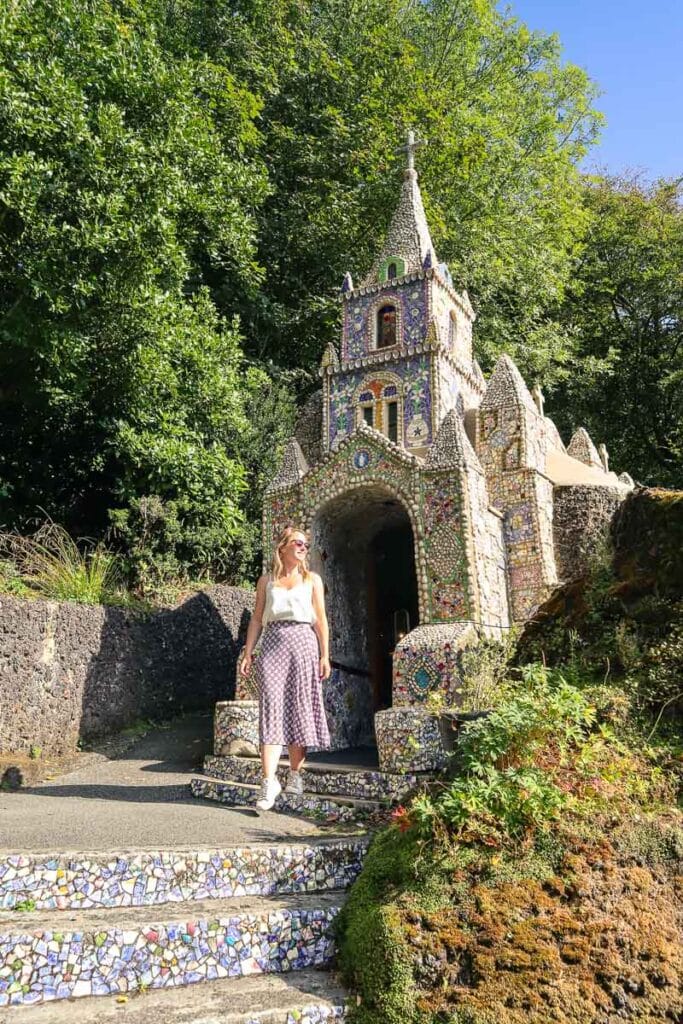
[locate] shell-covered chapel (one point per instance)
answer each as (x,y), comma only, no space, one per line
(442,506)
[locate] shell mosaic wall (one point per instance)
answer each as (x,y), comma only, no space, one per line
(235,727)
(42,965)
(318,808)
(473,463)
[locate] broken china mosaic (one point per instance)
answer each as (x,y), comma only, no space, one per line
(411,376)
(360,312)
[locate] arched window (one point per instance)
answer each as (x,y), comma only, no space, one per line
(392,271)
(386,326)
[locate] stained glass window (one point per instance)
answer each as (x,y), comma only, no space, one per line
(386,326)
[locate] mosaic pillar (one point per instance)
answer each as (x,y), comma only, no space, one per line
(408,740)
(235,728)
(428,661)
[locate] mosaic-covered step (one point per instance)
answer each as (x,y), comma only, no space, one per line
(323,809)
(363,784)
(76,881)
(305,997)
(43,959)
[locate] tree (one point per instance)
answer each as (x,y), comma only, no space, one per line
(625,309)
(340,83)
(121,163)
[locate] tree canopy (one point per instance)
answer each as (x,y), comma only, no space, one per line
(624,308)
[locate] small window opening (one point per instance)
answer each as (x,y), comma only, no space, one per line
(368,415)
(392,421)
(386,326)
(392,271)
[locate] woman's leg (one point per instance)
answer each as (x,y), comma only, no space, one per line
(270,758)
(297,756)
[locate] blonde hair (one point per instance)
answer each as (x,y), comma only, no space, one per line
(283,538)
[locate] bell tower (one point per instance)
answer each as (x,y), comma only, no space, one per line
(405,358)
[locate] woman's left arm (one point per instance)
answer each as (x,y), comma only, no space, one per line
(321,627)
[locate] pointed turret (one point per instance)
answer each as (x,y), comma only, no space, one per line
(292,468)
(330,359)
(452,447)
(507,387)
(478,374)
(582,448)
(408,243)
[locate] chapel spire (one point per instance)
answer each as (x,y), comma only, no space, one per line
(408,244)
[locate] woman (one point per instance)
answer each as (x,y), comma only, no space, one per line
(291,665)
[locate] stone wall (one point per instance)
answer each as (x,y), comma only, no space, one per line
(71,671)
(582,517)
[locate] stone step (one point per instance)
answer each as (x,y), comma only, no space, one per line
(361,783)
(299,997)
(328,809)
(63,954)
(83,881)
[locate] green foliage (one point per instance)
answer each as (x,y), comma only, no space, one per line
(11,581)
(51,565)
(25,907)
(624,311)
(484,670)
(502,787)
(340,84)
(373,953)
(121,163)
(622,624)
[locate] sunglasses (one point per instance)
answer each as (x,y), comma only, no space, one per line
(301,544)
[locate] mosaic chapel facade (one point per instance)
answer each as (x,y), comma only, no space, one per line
(442,506)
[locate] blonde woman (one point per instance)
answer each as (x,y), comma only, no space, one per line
(292,663)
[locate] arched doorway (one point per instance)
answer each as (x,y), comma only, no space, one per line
(363,546)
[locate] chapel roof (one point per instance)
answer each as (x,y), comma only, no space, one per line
(408,236)
(291,469)
(507,387)
(452,447)
(581,447)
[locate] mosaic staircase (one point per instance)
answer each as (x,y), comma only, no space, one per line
(332,794)
(100,930)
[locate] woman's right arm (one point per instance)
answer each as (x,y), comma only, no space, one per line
(254,628)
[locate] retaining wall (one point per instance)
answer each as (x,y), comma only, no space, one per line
(71,671)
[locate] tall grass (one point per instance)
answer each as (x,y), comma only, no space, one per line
(51,565)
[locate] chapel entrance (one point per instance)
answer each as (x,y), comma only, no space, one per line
(363,547)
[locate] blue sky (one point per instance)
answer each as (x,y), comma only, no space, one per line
(634,51)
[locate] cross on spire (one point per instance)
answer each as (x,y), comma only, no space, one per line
(409,148)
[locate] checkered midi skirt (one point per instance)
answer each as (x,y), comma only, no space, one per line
(291,707)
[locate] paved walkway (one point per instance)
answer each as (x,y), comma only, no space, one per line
(139,801)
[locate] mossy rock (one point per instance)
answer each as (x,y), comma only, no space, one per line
(593,933)
(647,534)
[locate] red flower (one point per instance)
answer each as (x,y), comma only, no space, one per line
(401,817)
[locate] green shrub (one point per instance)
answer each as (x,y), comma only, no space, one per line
(507,764)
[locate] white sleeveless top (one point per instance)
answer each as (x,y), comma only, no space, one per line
(295,605)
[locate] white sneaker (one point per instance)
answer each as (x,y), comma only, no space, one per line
(270,791)
(295,783)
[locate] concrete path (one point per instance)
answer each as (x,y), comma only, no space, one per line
(139,801)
